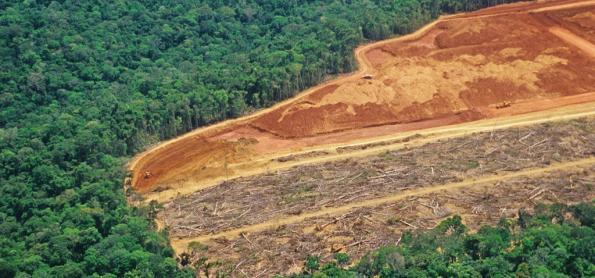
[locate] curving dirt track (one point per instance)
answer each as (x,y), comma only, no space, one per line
(403,139)
(453,71)
(182,244)
(478,114)
(271,221)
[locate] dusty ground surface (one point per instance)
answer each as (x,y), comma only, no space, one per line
(459,66)
(478,114)
(256,199)
(580,21)
(455,70)
(269,223)
(282,250)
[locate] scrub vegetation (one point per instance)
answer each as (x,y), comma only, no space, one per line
(556,241)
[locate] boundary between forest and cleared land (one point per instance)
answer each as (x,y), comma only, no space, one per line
(364,67)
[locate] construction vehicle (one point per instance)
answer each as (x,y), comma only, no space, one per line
(503,105)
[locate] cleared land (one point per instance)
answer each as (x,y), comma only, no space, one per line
(270,221)
(281,250)
(479,114)
(455,70)
(256,199)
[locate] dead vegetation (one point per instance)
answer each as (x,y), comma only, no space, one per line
(293,157)
(259,198)
(282,250)
(456,70)
(378,144)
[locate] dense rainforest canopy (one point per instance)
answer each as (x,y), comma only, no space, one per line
(85,84)
(558,241)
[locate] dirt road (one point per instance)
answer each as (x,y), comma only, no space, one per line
(329,152)
(181,245)
(575,40)
(182,174)
(571,5)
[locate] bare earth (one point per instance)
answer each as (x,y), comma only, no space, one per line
(475,114)
(455,70)
(272,221)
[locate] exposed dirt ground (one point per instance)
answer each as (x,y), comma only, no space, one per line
(365,147)
(266,223)
(256,199)
(477,114)
(496,62)
(282,250)
(459,66)
(579,21)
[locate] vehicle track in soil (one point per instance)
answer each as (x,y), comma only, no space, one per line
(573,39)
(180,245)
(266,162)
(271,163)
(550,110)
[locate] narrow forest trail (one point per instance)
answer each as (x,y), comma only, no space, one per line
(365,67)
(180,245)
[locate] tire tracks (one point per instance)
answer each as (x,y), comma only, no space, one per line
(586,46)
(269,164)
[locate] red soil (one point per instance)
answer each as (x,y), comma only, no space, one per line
(484,40)
(318,94)
(580,21)
(488,91)
(457,71)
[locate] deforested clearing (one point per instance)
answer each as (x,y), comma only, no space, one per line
(354,205)
(493,63)
(255,199)
(477,114)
